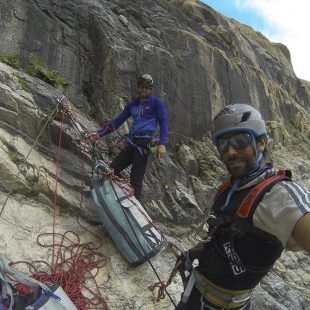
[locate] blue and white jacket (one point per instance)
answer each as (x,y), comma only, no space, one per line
(146,116)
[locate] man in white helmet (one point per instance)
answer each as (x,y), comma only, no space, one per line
(257,213)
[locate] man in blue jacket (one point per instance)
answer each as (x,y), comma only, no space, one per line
(147,113)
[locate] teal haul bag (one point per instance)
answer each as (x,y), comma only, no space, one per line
(126,221)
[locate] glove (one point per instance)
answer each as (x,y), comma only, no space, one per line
(187,263)
(182,258)
(195,252)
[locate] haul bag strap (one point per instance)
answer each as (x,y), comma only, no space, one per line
(42,297)
(226,184)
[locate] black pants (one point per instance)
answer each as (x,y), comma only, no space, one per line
(194,303)
(138,157)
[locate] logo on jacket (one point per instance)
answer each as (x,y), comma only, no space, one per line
(233,258)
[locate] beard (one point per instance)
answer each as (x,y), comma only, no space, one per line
(239,166)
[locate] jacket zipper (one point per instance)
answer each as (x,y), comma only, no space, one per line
(141,110)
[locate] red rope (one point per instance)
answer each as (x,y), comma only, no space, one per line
(56,183)
(111,146)
(75,265)
(162,285)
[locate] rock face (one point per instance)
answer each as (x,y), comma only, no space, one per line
(200,61)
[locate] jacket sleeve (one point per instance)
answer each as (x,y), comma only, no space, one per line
(116,122)
(280,209)
(162,118)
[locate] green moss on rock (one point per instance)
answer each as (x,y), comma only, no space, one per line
(38,69)
(11,60)
(22,83)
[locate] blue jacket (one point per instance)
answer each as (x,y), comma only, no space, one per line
(146,117)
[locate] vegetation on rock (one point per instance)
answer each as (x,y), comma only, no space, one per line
(11,60)
(38,69)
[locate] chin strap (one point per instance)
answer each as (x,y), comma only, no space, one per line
(259,157)
(230,193)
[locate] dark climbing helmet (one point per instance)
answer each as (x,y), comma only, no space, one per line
(146,80)
(238,117)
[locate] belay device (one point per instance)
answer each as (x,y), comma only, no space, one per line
(122,215)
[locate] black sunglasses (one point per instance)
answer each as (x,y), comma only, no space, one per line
(147,87)
(238,141)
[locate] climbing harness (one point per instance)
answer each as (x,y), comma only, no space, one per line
(214,293)
(130,139)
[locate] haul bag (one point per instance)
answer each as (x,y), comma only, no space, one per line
(126,221)
(48,296)
(44,300)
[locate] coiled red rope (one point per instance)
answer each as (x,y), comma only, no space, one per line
(75,265)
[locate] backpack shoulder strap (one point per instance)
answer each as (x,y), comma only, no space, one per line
(226,184)
(250,202)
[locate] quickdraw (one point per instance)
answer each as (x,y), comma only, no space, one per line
(65,108)
(180,267)
(162,285)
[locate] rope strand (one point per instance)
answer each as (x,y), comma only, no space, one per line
(25,159)
(73,263)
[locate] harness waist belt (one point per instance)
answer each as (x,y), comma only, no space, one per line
(143,134)
(220,296)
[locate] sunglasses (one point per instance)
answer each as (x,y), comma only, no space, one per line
(147,87)
(238,141)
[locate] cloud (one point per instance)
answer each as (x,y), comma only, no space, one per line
(287,22)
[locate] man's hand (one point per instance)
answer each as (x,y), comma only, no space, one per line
(161,152)
(92,136)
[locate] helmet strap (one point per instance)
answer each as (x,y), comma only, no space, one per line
(233,188)
(258,156)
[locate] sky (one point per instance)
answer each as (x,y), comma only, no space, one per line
(281,21)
